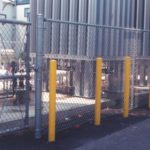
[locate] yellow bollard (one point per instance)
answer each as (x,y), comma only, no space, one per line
(52,100)
(127,72)
(98,91)
(149,98)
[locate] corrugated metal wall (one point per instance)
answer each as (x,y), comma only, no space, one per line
(82,41)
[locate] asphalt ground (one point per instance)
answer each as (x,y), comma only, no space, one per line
(115,133)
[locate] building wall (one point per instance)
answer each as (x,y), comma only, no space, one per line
(20,12)
(7,9)
(101,42)
(0,6)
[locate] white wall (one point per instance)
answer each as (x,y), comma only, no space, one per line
(20,12)
(9,10)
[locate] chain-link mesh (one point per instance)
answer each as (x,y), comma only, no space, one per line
(14,79)
(113,86)
(75,92)
(76,46)
(140,88)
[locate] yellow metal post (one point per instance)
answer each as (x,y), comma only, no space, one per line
(149,98)
(127,72)
(98,91)
(52,100)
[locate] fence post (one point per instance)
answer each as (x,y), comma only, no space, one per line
(52,100)
(127,72)
(149,98)
(39,66)
(27,65)
(98,91)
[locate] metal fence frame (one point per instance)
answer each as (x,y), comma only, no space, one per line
(27,67)
(39,54)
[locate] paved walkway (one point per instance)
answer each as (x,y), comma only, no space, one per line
(135,137)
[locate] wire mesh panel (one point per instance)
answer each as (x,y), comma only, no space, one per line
(76,48)
(75,96)
(14,76)
(140,88)
(112,79)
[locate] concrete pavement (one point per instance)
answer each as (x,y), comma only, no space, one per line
(135,137)
(115,133)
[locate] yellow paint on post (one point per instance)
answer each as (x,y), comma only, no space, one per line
(127,73)
(98,91)
(52,100)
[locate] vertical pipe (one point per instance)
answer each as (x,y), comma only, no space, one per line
(132,14)
(52,100)
(39,64)
(107,20)
(122,34)
(139,25)
(48,26)
(149,98)
(56,27)
(33,25)
(127,25)
(82,30)
(112,36)
(146,35)
(98,91)
(100,16)
(81,48)
(91,35)
(117,32)
(73,29)
(91,50)
(27,65)
(127,72)
(64,27)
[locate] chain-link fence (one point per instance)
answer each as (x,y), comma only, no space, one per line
(75,92)
(140,82)
(76,46)
(14,75)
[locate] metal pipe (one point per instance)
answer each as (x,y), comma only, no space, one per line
(9,21)
(91,32)
(55,27)
(82,30)
(64,28)
(100,50)
(146,36)
(127,73)
(98,26)
(52,100)
(73,29)
(149,98)
(6,77)
(39,64)
(33,25)
(48,27)
(98,92)
(3,15)
(27,65)
(38,79)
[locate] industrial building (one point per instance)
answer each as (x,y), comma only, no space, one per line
(12,9)
(92,28)
(72,33)
(133,14)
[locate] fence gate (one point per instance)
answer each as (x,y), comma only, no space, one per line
(14,75)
